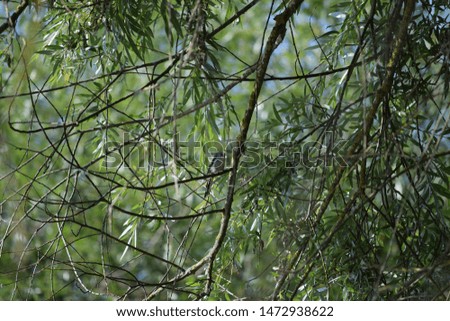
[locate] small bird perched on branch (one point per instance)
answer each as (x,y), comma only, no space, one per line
(216,165)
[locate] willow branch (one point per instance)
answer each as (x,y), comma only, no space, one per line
(276,37)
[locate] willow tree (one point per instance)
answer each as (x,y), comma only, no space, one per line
(333,119)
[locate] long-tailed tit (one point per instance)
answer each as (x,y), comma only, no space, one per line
(216,165)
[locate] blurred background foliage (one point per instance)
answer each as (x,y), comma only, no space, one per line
(111,110)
